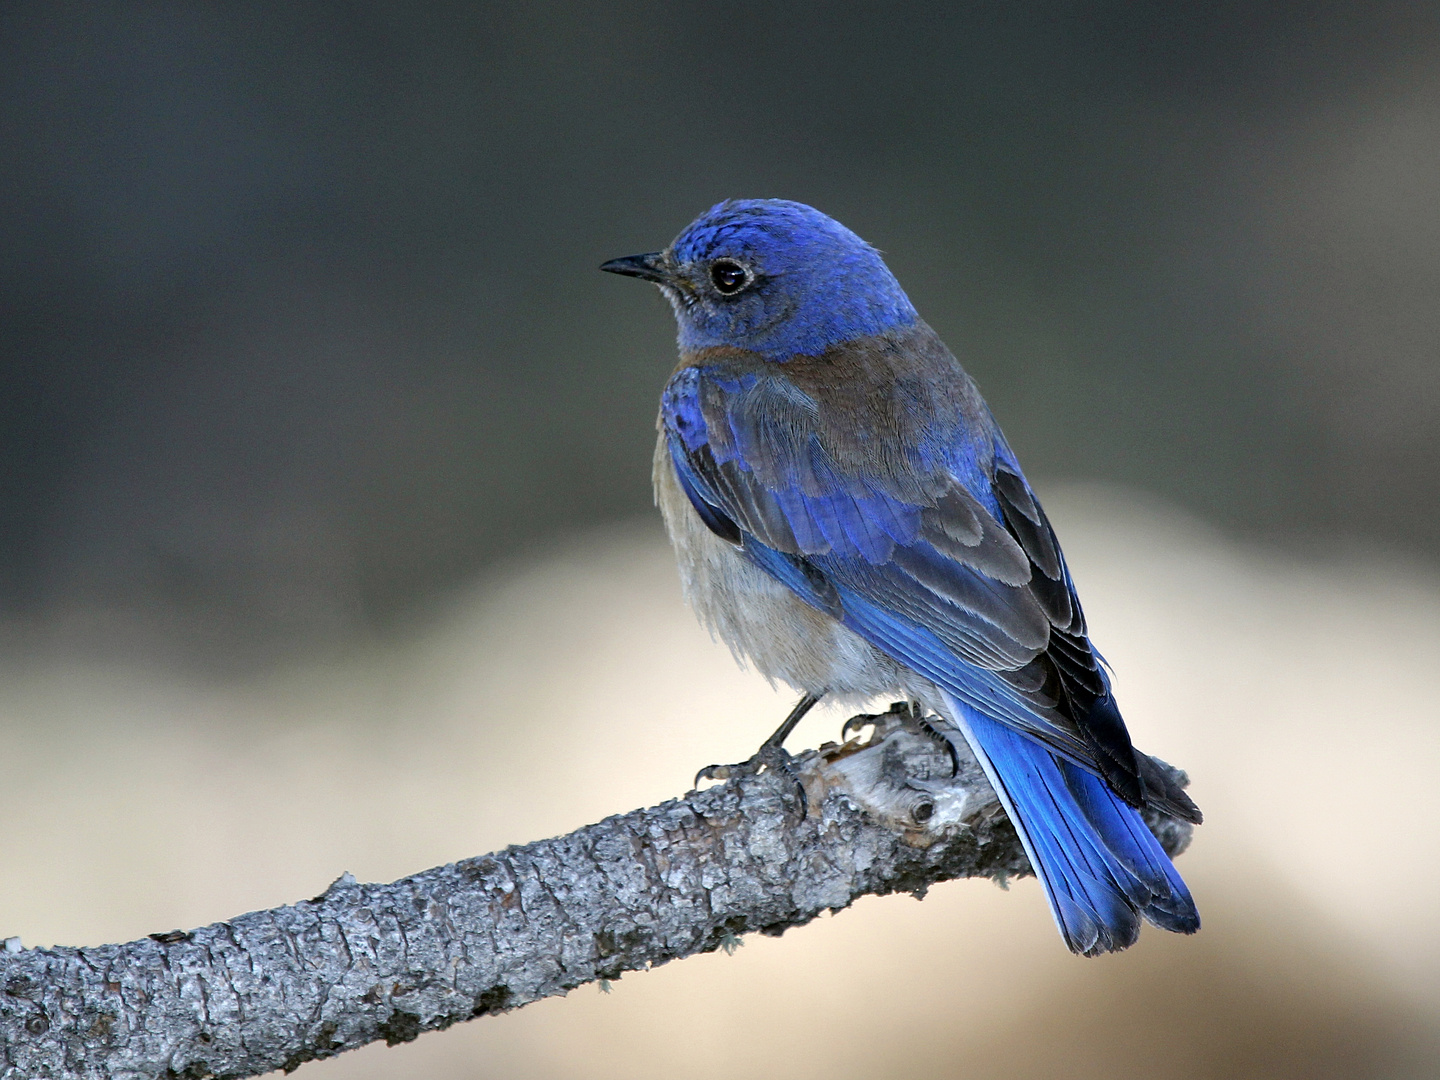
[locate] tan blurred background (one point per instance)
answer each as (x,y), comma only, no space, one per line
(325,539)
(574,684)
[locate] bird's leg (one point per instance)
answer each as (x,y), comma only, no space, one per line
(772,753)
(924,724)
(903,714)
(803,706)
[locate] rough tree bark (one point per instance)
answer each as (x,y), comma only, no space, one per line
(274,989)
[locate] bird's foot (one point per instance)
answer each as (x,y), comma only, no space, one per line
(771,757)
(902,715)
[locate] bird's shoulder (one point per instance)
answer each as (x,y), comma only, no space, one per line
(878,405)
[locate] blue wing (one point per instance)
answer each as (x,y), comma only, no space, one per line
(929,544)
(943,556)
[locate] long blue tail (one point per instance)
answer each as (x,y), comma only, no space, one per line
(1100,866)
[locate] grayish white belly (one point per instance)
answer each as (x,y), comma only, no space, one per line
(761,620)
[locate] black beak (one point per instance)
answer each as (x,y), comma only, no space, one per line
(649,267)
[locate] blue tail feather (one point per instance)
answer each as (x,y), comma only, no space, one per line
(1101,868)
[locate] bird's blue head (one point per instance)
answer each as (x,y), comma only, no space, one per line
(776,277)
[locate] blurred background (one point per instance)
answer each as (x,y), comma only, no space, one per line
(325,538)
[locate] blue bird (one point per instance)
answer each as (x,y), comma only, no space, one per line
(848,516)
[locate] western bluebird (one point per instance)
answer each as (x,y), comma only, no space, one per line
(848,515)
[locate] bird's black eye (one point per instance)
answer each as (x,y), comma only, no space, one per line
(728,276)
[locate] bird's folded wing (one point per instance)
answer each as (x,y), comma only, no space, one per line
(975,597)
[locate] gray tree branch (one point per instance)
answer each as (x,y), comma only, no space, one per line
(274,989)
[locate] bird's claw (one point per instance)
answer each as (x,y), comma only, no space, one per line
(906,715)
(716,772)
(769,757)
(900,714)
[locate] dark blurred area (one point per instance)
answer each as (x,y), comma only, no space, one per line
(301,327)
